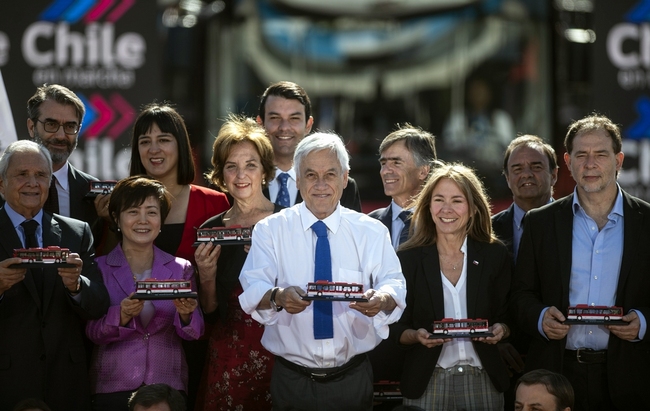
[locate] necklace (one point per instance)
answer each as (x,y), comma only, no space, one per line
(454,266)
(178,193)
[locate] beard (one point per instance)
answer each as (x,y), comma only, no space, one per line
(59,156)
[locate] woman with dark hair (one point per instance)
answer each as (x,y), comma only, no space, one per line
(239,369)
(161,149)
(139,342)
(454,268)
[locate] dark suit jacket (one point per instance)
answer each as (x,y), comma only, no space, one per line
(42,351)
(79,183)
(385,215)
(349,199)
(488,284)
(502,226)
(542,279)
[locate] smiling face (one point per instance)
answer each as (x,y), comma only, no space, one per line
(529,177)
(285,125)
(401,177)
(321,182)
(449,208)
(243,172)
(26,185)
(159,153)
(59,144)
(593,163)
(140,225)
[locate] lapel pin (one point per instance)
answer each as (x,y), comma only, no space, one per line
(475,262)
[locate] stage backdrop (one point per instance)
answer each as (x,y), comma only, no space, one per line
(108,52)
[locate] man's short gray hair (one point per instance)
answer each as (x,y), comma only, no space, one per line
(22,146)
(321,141)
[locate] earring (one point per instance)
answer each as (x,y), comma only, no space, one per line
(118,229)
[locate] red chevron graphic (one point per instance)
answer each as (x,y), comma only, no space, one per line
(105,116)
(127,113)
(98,11)
(120,10)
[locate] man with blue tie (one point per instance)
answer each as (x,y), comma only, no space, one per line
(43,310)
(590,247)
(321,347)
(285,114)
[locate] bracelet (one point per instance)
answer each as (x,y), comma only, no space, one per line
(272,300)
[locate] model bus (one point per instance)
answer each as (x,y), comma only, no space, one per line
(461,326)
(322,288)
(102,187)
(218,234)
(595,312)
(153,286)
(47,255)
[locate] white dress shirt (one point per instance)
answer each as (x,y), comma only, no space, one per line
(63,188)
(460,351)
(282,254)
(274,185)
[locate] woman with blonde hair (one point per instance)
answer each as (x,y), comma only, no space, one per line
(454,268)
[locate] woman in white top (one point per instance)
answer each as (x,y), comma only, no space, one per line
(454,268)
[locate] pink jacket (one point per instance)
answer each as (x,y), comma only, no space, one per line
(126,357)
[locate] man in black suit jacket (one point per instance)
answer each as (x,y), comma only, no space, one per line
(285,114)
(406,156)
(43,310)
(530,168)
(567,253)
(54,116)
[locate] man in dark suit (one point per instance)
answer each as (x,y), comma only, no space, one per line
(43,310)
(54,116)
(530,168)
(285,114)
(589,248)
(406,156)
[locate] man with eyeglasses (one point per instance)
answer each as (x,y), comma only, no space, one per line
(54,116)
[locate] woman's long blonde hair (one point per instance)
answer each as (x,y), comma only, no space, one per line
(479,225)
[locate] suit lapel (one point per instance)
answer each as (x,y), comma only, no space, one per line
(51,236)
(431,273)
(386,217)
(474,277)
(564,241)
(632,223)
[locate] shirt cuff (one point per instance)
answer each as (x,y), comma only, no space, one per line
(540,321)
(642,327)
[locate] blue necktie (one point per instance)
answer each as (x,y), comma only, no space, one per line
(283,195)
(323,326)
(405,216)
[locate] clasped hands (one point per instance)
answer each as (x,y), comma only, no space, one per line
(290,299)
(553,327)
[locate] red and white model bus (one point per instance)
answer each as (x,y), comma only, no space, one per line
(463,326)
(584,312)
(322,288)
(47,255)
(102,187)
(153,286)
(218,234)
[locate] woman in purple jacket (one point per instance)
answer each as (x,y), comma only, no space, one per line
(139,341)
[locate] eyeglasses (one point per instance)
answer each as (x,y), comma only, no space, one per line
(52,126)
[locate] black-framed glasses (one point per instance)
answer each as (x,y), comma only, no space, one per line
(52,126)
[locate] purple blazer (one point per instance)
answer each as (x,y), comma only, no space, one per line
(127,357)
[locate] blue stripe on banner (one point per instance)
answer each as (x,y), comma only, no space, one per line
(55,9)
(78,10)
(91,113)
(640,13)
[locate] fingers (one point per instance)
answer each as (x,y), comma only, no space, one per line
(552,326)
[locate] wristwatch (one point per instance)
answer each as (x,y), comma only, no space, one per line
(272,299)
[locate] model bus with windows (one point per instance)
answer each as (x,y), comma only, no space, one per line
(323,288)
(153,286)
(450,326)
(47,255)
(102,187)
(219,234)
(584,312)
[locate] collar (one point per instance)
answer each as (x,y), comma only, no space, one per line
(17,219)
(62,176)
(518,215)
(396,210)
(616,210)
(333,221)
(291,172)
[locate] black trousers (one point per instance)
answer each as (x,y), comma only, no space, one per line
(293,391)
(590,385)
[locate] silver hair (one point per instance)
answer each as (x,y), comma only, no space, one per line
(22,146)
(321,141)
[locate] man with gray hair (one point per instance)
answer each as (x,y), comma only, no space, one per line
(43,310)
(321,346)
